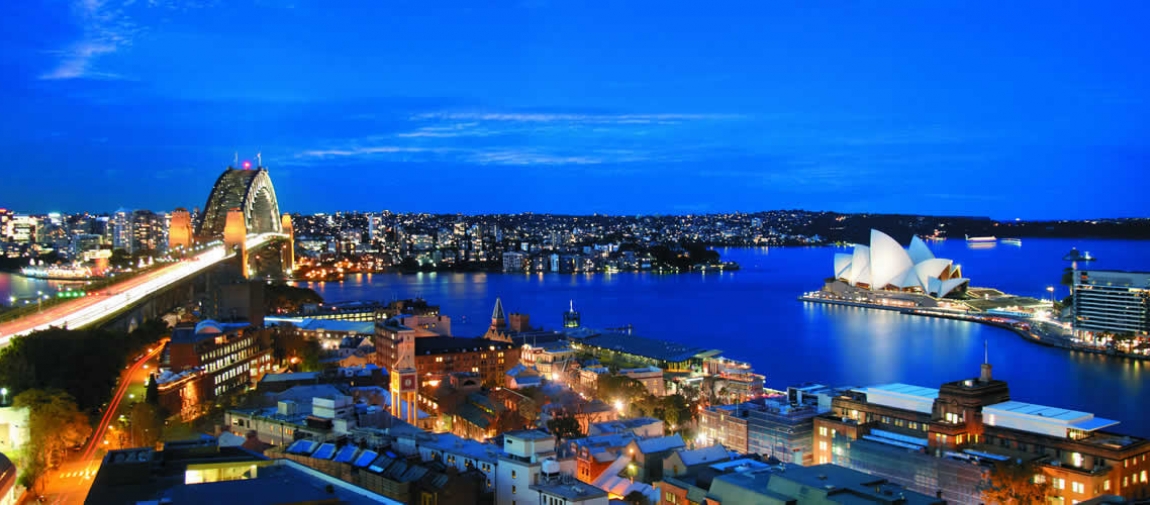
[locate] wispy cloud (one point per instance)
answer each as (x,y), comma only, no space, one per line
(361,151)
(573,118)
(105,29)
(528,138)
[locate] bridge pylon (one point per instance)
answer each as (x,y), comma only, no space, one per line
(236,238)
(180,234)
(288,251)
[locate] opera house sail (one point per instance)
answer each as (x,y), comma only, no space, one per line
(885,266)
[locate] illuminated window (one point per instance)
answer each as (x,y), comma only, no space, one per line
(512,489)
(1106,485)
(823,430)
(1078,487)
(823,445)
(1059,483)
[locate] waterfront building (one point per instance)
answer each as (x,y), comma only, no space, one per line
(571,318)
(1112,302)
(884,265)
(669,356)
(514,261)
(204,361)
(746,482)
(945,440)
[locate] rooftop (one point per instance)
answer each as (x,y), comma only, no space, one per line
(447,345)
(710,454)
(640,346)
(282,482)
(573,491)
(902,396)
(529,435)
(334,325)
(659,444)
(1071,419)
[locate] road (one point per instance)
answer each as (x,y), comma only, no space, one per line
(71,482)
(84,311)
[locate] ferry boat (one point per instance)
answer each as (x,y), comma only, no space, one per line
(981,239)
(1012,241)
(1074,255)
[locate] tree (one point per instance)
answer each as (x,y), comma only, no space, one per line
(291,346)
(284,298)
(565,427)
(56,426)
(152,391)
(120,259)
(636,498)
(613,388)
(676,409)
(1011,483)
(147,424)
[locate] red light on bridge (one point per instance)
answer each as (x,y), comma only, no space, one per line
(247,165)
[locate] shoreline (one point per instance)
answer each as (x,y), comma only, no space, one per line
(1025,334)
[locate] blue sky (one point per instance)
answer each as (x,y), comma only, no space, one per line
(1028,109)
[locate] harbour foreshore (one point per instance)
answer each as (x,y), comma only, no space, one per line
(1029,330)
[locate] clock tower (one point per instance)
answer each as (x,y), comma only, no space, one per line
(404,380)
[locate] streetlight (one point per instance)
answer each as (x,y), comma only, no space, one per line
(1051,290)
(3,396)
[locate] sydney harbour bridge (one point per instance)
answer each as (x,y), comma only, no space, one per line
(241,236)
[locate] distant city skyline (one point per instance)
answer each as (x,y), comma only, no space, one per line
(1028,110)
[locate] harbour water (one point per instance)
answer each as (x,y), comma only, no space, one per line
(752,314)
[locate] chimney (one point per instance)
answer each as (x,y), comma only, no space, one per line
(985,377)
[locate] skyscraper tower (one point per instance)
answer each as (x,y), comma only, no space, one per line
(571,317)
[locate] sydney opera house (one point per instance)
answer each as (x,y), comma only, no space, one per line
(885,266)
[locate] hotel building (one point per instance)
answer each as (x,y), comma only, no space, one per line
(1110,301)
(945,441)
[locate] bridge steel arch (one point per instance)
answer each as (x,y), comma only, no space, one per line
(251,192)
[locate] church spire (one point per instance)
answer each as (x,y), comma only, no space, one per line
(498,320)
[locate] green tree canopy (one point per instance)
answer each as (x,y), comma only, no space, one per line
(56,426)
(1010,483)
(565,427)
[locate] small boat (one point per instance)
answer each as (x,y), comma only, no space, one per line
(1074,255)
(981,239)
(1012,241)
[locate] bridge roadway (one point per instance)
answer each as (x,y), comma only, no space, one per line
(91,309)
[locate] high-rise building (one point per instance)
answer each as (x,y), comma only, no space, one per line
(1111,301)
(121,228)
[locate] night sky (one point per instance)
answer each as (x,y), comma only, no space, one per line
(1006,109)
